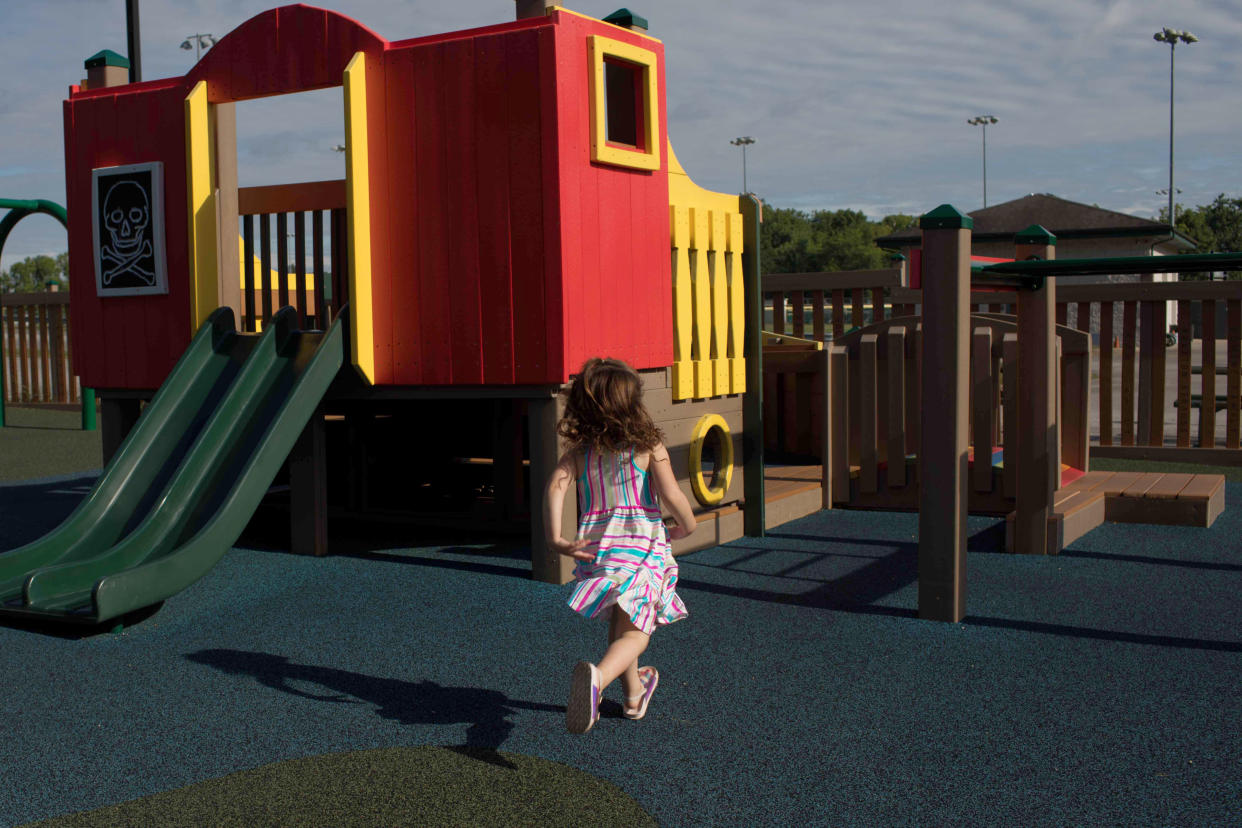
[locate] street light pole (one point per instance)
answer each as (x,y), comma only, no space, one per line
(983,121)
(743,142)
(1171,36)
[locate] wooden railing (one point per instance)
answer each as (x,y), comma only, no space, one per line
(269,281)
(1203,421)
(37,365)
(823,306)
(1199,419)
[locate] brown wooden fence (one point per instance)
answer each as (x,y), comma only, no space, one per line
(37,366)
(1150,400)
(274,276)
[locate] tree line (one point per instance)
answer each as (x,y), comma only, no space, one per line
(36,274)
(796,241)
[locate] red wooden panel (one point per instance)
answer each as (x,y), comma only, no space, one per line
(290,49)
(380,187)
(492,162)
(302,34)
(556,320)
(85,324)
(405,310)
(621,219)
(526,211)
(457,93)
(433,259)
(581,309)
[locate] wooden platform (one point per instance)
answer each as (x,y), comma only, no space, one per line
(1130,497)
(791,492)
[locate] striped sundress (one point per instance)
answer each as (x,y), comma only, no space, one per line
(633,566)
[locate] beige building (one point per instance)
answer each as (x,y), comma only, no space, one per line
(1082,230)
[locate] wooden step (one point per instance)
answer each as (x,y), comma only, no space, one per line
(1075,512)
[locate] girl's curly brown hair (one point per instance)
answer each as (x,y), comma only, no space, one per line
(604,409)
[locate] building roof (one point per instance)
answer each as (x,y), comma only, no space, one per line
(1065,219)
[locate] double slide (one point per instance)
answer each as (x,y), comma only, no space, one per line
(188,478)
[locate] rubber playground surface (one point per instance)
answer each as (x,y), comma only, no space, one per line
(1098,687)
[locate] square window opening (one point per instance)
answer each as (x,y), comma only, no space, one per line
(623,93)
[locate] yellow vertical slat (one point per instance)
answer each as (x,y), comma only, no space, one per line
(683,305)
(702,282)
(357,203)
(720,305)
(737,306)
(199,174)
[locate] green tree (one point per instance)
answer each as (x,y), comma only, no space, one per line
(794,241)
(32,274)
(1216,227)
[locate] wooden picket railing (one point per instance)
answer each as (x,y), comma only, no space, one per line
(1130,325)
(37,365)
(317,293)
(1206,422)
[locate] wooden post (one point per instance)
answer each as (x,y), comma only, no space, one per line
(942,442)
(546,566)
(308,490)
(1035,439)
(754,518)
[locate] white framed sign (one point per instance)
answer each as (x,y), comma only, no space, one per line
(127,213)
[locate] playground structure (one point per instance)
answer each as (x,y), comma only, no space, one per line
(475,285)
(460,295)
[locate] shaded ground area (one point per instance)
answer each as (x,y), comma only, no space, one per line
(41,442)
(1096,687)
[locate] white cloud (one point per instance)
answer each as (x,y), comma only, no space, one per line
(859,105)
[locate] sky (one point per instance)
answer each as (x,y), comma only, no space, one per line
(858,105)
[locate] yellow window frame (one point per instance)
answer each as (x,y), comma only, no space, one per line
(648,157)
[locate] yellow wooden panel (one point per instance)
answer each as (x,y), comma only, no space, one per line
(715,275)
(720,304)
(700,239)
(683,304)
(357,195)
(737,306)
(201,206)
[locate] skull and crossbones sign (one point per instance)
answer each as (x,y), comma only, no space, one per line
(126,214)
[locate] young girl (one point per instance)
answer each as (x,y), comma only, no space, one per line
(625,566)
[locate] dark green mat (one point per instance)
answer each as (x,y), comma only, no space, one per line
(393,786)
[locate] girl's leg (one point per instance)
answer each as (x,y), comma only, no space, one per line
(630,683)
(626,644)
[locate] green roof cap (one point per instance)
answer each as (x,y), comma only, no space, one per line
(946,217)
(627,18)
(1035,234)
(107,58)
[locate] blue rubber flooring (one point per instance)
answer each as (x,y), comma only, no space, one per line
(1099,687)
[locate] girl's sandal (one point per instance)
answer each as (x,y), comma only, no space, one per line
(582,712)
(636,706)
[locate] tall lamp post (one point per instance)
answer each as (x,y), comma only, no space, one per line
(984,121)
(200,43)
(743,142)
(1171,36)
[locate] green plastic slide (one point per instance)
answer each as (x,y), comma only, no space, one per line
(253,417)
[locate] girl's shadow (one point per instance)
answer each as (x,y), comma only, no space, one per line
(421,702)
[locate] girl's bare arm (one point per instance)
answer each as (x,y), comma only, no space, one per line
(670,493)
(554,507)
